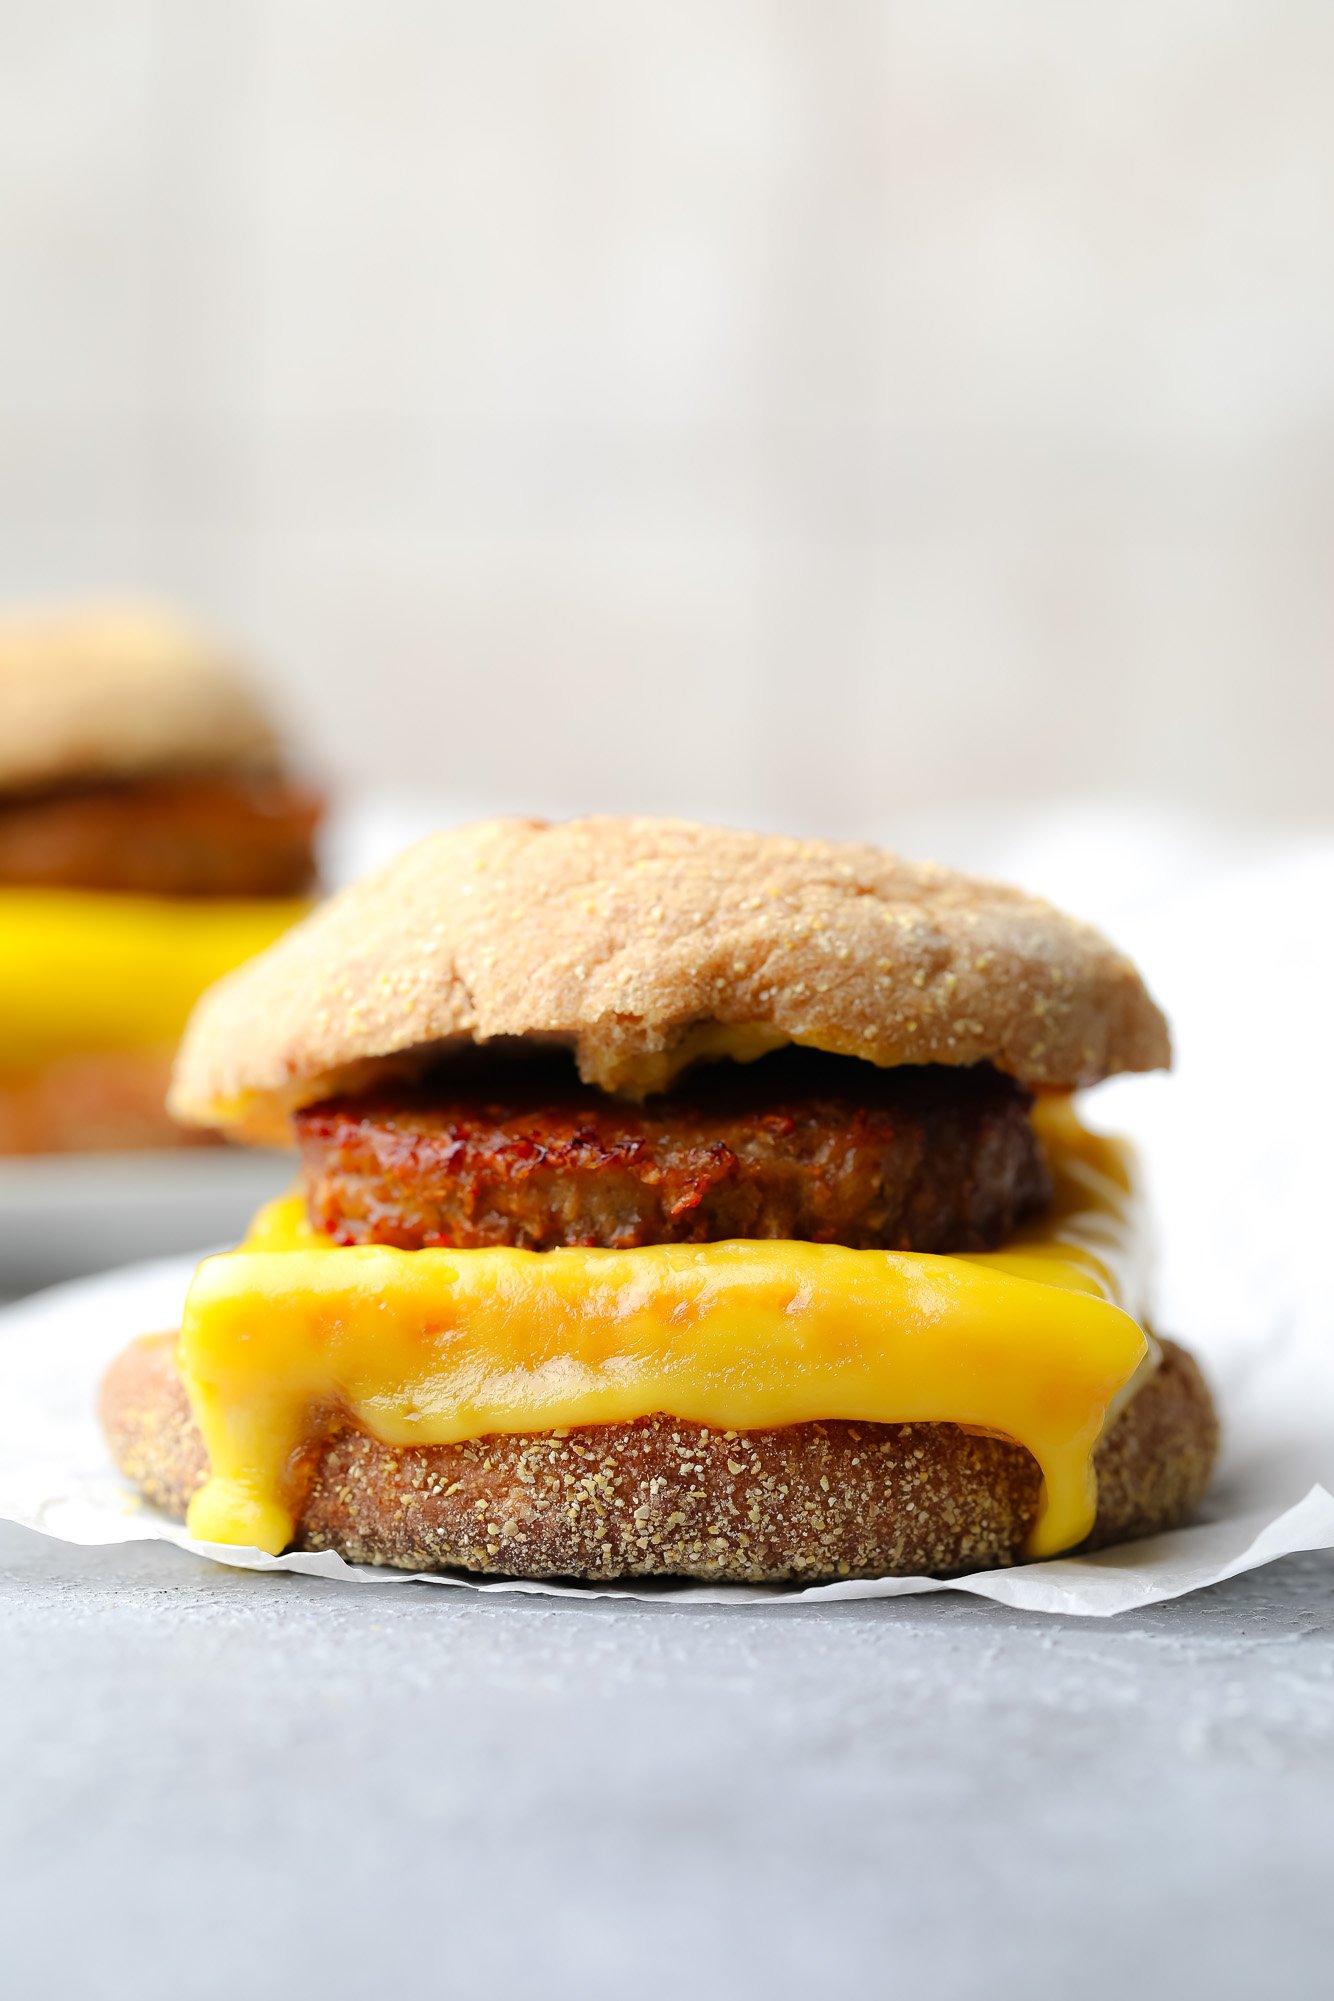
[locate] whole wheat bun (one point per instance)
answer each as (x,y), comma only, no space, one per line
(663,1498)
(631,940)
(120,691)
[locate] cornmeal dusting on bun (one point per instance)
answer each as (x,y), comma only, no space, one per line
(642,945)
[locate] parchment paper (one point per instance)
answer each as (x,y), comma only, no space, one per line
(1237,1149)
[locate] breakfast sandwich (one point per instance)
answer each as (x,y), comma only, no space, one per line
(672,1202)
(150,840)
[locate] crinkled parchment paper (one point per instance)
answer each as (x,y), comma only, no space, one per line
(1237,1151)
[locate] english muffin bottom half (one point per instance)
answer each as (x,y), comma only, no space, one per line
(672,1201)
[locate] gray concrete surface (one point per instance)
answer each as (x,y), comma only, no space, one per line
(217,1784)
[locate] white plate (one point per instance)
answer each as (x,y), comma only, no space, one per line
(62,1215)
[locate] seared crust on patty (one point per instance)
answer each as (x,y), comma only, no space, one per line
(642,945)
(196,835)
(662,1498)
(798,1145)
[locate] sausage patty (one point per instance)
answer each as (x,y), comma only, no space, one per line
(178,836)
(799,1145)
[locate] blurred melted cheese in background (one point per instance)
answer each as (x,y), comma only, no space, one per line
(90,970)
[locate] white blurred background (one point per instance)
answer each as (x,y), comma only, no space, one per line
(797,412)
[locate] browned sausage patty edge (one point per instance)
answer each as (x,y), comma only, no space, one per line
(800,1145)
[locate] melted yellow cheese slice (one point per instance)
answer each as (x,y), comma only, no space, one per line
(89,969)
(1034,1343)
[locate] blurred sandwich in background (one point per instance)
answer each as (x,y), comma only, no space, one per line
(151,838)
